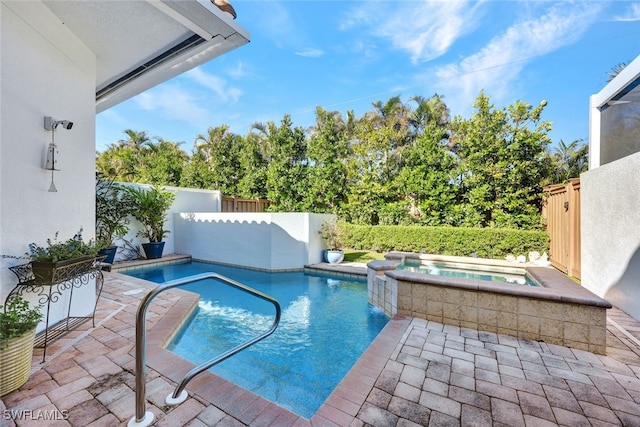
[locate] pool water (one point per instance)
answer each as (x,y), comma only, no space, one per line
(325,327)
(443,270)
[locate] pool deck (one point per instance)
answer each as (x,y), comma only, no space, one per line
(416,373)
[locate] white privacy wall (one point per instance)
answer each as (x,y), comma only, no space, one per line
(610,232)
(270,241)
(45,71)
(186,200)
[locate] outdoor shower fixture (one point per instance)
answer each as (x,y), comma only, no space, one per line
(52,150)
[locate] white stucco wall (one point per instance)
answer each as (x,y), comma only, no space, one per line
(610,232)
(44,71)
(186,200)
(271,241)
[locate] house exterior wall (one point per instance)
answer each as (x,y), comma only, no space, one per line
(610,232)
(269,241)
(610,199)
(45,71)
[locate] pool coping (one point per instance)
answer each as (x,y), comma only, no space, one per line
(555,286)
(340,407)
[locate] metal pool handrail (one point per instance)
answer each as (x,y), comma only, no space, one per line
(142,418)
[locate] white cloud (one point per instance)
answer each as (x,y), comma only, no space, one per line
(215,84)
(173,103)
(631,14)
(425,29)
(238,71)
(310,53)
(497,66)
(198,105)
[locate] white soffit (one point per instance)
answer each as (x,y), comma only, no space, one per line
(139,44)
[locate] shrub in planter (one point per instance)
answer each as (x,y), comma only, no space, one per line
(17,331)
(330,233)
(46,261)
(55,251)
(150,208)
(112,215)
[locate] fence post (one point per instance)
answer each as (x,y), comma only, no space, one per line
(574,227)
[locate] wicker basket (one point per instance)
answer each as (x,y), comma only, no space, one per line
(15,362)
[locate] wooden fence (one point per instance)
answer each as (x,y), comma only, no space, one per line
(562,213)
(234,204)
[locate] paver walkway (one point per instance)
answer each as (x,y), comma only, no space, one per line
(416,373)
(443,375)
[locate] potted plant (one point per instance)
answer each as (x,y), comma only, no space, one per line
(57,260)
(112,216)
(17,331)
(150,207)
(330,233)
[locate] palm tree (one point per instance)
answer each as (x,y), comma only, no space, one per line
(259,132)
(393,113)
(209,145)
(220,150)
(136,139)
(569,160)
(616,69)
(428,110)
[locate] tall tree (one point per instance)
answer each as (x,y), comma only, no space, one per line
(253,164)
(215,162)
(122,161)
(135,139)
(501,163)
(327,172)
(372,165)
(288,169)
(428,111)
(161,163)
(424,186)
(567,161)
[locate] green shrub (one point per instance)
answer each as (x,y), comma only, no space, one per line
(16,319)
(494,243)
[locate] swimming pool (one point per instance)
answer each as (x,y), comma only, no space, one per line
(326,325)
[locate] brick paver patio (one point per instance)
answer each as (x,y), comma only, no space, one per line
(416,373)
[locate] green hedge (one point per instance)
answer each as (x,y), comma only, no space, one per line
(494,243)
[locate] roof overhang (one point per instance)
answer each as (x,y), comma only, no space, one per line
(621,86)
(139,44)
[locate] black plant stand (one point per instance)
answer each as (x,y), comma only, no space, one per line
(66,278)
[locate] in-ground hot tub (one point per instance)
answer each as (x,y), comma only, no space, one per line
(558,311)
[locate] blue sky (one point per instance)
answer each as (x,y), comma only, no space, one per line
(346,55)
